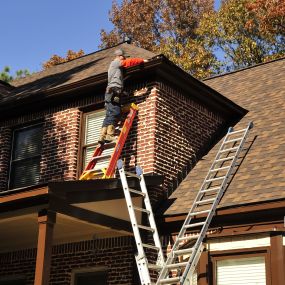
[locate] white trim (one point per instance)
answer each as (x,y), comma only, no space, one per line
(238,242)
(284,240)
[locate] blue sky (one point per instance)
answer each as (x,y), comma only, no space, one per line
(34,30)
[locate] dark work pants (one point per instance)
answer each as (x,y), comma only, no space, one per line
(113,113)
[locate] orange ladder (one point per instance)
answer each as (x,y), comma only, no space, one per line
(89,171)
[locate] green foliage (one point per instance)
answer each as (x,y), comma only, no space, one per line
(165,26)
(236,30)
(7,77)
(190,32)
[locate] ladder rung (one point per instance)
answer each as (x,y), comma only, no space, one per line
(220,168)
(150,246)
(97,171)
(154,266)
(146,228)
(100,157)
(141,210)
(224,159)
(183,251)
(210,190)
(199,213)
(206,201)
(132,174)
(176,265)
(236,132)
(233,140)
(194,225)
(172,280)
(215,179)
(228,149)
(136,192)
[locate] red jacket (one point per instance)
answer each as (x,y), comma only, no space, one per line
(131,62)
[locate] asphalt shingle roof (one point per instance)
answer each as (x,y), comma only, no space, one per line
(261,176)
(73,71)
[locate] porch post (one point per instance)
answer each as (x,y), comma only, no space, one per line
(46,221)
(277,257)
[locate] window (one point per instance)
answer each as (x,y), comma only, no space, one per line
(25,158)
(241,271)
(92,126)
(90,278)
(12,281)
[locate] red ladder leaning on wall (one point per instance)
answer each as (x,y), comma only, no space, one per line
(89,171)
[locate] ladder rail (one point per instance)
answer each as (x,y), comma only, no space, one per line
(217,201)
(197,247)
(97,155)
(140,257)
(160,258)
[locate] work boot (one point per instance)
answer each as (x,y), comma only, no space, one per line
(103,134)
(110,137)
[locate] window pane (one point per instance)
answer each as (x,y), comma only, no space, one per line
(92,132)
(91,278)
(241,271)
(93,125)
(27,142)
(101,163)
(26,154)
(25,173)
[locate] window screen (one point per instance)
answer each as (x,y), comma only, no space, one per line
(26,154)
(241,271)
(91,278)
(93,124)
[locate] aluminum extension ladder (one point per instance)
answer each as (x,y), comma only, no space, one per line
(205,203)
(89,171)
(153,243)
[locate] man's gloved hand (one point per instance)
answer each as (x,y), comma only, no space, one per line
(116,99)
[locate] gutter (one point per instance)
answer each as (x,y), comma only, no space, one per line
(159,67)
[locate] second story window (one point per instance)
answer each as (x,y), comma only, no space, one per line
(26,155)
(92,126)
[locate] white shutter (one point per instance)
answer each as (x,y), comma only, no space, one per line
(92,132)
(241,271)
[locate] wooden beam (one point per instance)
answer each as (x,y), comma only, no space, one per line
(46,221)
(59,205)
(203,269)
(277,259)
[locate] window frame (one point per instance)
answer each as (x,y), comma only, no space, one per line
(87,270)
(83,129)
(12,161)
(240,253)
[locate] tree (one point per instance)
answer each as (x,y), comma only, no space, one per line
(240,31)
(56,59)
(165,26)
(270,15)
(7,77)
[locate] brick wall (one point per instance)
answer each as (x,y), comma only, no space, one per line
(183,129)
(166,137)
(61,131)
(60,145)
(114,254)
(169,134)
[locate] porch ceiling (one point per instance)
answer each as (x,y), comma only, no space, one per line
(84,210)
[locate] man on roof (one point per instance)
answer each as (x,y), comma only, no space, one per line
(113,94)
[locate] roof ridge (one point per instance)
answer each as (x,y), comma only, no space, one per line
(245,68)
(85,55)
(62,63)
